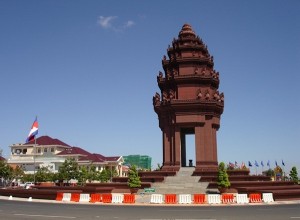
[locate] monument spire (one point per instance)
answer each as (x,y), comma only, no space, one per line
(189,102)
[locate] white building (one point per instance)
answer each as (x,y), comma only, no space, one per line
(48,152)
(85,158)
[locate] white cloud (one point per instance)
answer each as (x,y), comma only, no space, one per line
(107,22)
(129,24)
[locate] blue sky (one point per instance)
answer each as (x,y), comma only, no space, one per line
(88,70)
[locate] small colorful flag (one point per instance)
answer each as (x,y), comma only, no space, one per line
(236,164)
(33,131)
(256,164)
(283,164)
(262,163)
(249,164)
(268,164)
(276,163)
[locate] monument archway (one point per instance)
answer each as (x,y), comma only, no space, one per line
(189,102)
(185,157)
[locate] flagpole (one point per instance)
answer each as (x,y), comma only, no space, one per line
(32,134)
(34,148)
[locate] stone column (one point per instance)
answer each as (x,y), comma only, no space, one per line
(214,145)
(183,149)
(199,145)
(208,145)
(177,147)
(167,149)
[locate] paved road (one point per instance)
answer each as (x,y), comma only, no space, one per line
(16,210)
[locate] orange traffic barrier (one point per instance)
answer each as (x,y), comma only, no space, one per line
(95,197)
(255,197)
(129,198)
(227,198)
(199,198)
(59,196)
(170,198)
(106,198)
(75,197)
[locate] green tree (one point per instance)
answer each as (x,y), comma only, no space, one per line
(27,178)
(104,176)
(83,175)
(133,178)
(294,175)
(270,172)
(58,178)
(18,173)
(6,173)
(43,174)
(69,170)
(223,180)
(93,174)
(107,174)
(9,174)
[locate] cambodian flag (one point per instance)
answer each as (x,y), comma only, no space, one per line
(33,131)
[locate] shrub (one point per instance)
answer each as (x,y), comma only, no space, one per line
(133,178)
(294,175)
(223,180)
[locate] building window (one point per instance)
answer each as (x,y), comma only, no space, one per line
(52,149)
(45,150)
(39,150)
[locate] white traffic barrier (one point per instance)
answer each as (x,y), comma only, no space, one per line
(84,197)
(10,198)
(30,199)
(214,198)
(66,197)
(242,199)
(268,197)
(117,198)
(185,199)
(156,198)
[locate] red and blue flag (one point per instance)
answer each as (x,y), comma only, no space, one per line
(33,131)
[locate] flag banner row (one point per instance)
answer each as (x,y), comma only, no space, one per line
(256,164)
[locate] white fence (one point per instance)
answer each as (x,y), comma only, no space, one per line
(156,198)
(185,199)
(242,199)
(117,198)
(214,198)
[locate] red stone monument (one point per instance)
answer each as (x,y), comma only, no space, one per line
(189,102)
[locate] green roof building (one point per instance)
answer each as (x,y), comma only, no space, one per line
(140,161)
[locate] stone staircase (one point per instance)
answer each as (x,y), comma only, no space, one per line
(182,183)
